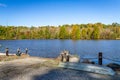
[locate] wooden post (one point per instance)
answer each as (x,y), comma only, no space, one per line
(100,58)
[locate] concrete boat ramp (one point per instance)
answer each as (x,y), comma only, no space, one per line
(87,67)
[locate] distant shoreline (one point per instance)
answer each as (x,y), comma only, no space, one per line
(62,39)
(90,31)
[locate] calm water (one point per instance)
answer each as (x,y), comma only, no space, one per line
(52,48)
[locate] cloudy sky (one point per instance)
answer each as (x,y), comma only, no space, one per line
(58,12)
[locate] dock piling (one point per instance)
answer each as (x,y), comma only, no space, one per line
(100,58)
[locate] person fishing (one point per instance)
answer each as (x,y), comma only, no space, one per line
(62,56)
(26,50)
(18,52)
(65,56)
(7,51)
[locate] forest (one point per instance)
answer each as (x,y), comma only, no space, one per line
(96,31)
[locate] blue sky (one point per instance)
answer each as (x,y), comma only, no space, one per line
(58,12)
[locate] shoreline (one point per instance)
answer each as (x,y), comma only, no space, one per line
(3,54)
(62,39)
(36,68)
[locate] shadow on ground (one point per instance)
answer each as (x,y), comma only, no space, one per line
(67,74)
(7,72)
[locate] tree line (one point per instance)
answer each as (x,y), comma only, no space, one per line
(73,31)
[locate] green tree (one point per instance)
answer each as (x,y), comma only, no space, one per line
(62,33)
(96,33)
(47,33)
(89,33)
(84,34)
(75,34)
(2,32)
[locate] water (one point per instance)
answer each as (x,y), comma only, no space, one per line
(52,48)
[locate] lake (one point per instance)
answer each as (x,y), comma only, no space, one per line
(52,48)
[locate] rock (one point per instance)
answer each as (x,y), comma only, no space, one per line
(114,66)
(74,59)
(88,61)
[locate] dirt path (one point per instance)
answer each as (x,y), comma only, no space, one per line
(33,68)
(12,69)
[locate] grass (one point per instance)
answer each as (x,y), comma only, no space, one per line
(12,57)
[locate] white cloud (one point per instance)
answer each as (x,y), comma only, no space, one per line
(3,5)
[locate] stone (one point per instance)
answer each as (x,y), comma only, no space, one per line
(114,66)
(74,59)
(88,61)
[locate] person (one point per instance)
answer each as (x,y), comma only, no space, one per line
(62,56)
(7,51)
(18,52)
(26,50)
(67,57)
